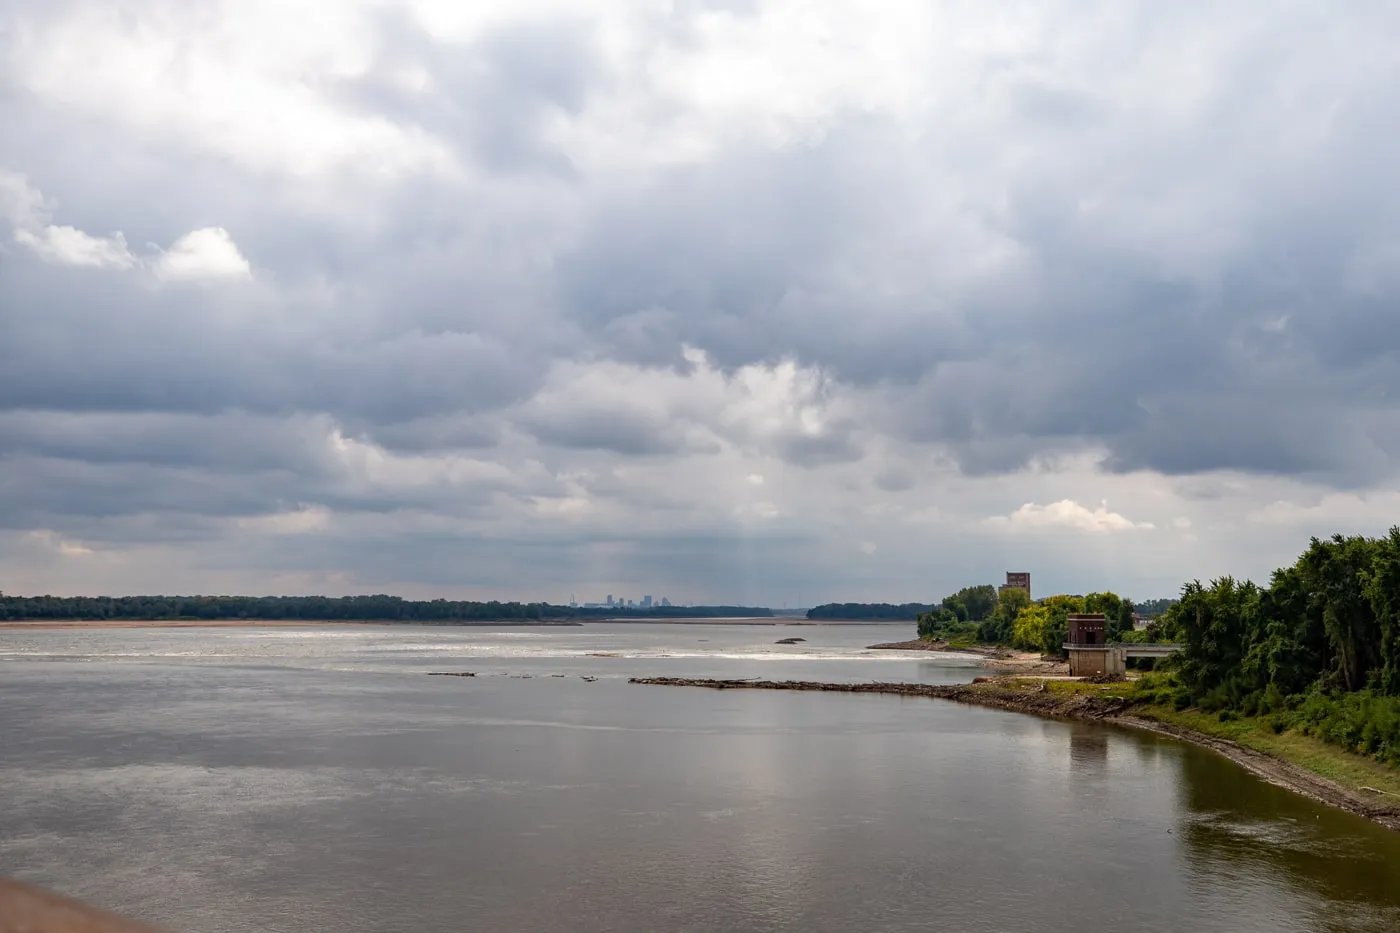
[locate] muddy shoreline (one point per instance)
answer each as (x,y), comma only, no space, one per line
(1037,701)
(1003,660)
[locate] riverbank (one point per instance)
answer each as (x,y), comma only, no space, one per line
(1299,763)
(1002,660)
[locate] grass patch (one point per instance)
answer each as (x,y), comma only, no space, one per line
(1307,752)
(1072,687)
(1155,696)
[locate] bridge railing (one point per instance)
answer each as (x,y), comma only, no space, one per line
(1159,645)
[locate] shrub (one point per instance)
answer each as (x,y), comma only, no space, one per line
(1364,722)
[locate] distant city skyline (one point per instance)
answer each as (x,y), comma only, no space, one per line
(611,602)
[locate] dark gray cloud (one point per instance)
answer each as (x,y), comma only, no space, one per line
(1038,251)
(499,90)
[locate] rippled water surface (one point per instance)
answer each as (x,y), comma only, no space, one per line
(309,779)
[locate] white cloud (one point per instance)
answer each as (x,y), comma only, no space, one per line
(203,254)
(207,253)
(251,82)
(24,207)
(69,246)
(1067,515)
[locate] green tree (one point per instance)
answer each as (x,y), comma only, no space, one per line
(936,623)
(997,628)
(976,602)
(1029,631)
(1216,626)
(1383,590)
(1059,608)
(1339,572)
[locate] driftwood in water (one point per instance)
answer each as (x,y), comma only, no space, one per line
(451,673)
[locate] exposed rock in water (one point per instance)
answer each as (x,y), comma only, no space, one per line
(451,673)
(789,641)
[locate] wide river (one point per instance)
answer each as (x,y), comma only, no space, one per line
(314,779)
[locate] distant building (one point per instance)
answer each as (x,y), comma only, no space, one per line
(1016,580)
(665,601)
(646,602)
(610,600)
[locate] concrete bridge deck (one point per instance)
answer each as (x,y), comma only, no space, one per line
(1088,659)
(1149,650)
(1138,650)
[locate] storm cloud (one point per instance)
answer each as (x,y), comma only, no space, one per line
(757,302)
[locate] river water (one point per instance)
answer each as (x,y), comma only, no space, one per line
(313,779)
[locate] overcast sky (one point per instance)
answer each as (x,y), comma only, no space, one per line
(750,301)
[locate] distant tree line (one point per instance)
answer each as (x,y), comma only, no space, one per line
(378,608)
(1152,608)
(904,612)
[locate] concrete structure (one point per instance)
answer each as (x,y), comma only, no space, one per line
(1090,662)
(1088,628)
(1016,580)
(1090,653)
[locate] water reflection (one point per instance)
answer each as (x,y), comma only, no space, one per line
(302,787)
(1088,748)
(1238,826)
